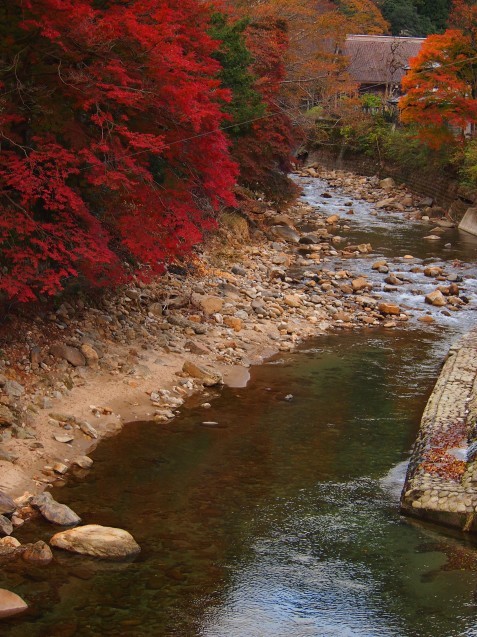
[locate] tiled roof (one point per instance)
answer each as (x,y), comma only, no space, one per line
(380,59)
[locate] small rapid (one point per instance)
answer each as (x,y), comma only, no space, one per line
(394,238)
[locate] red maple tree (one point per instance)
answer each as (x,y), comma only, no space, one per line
(111,140)
(264,154)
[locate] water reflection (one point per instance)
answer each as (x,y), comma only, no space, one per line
(283,522)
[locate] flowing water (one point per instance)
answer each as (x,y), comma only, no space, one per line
(283,519)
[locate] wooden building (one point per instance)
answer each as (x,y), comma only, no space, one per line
(377,63)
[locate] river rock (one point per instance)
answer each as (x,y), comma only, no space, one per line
(157,309)
(83,462)
(90,354)
(97,541)
(87,429)
(208,304)
(65,438)
(433,271)
(53,511)
(292,300)
(7,419)
(387,184)
(7,505)
(68,353)
(389,308)
(206,375)
(233,322)
(425,203)
(13,389)
(392,279)
(283,220)
(332,220)
(239,270)
(11,604)
(6,527)
(384,203)
(446,224)
(60,467)
(38,553)
(197,348)
(436,298)
(286,233)
(361,283)
(10,542)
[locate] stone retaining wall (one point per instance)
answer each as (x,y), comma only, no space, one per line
(441,482)
(443,189)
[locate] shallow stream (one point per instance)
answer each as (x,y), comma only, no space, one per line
(282,520)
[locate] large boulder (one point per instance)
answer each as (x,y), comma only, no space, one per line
(206,375)
(53,511)
(208,304)
(11,604)
(469,222)
(286,233)
(68,353)
(98,541)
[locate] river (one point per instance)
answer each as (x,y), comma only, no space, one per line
(282,520)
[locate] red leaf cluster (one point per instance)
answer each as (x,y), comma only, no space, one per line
(264,154)
(436,458)
(111,141)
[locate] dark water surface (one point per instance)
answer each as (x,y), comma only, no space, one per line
(283,520)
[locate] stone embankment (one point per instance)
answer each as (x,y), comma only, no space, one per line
(441,482)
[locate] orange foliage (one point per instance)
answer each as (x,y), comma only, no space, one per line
(316,68)
(442,87)
(436,458)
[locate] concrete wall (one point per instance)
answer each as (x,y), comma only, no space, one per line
(469,222)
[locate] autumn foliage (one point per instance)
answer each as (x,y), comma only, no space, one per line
(125,126)
(441,87)
(317,29)
(264,153)
(111,148)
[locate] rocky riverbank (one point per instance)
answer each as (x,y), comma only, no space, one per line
(76,375)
